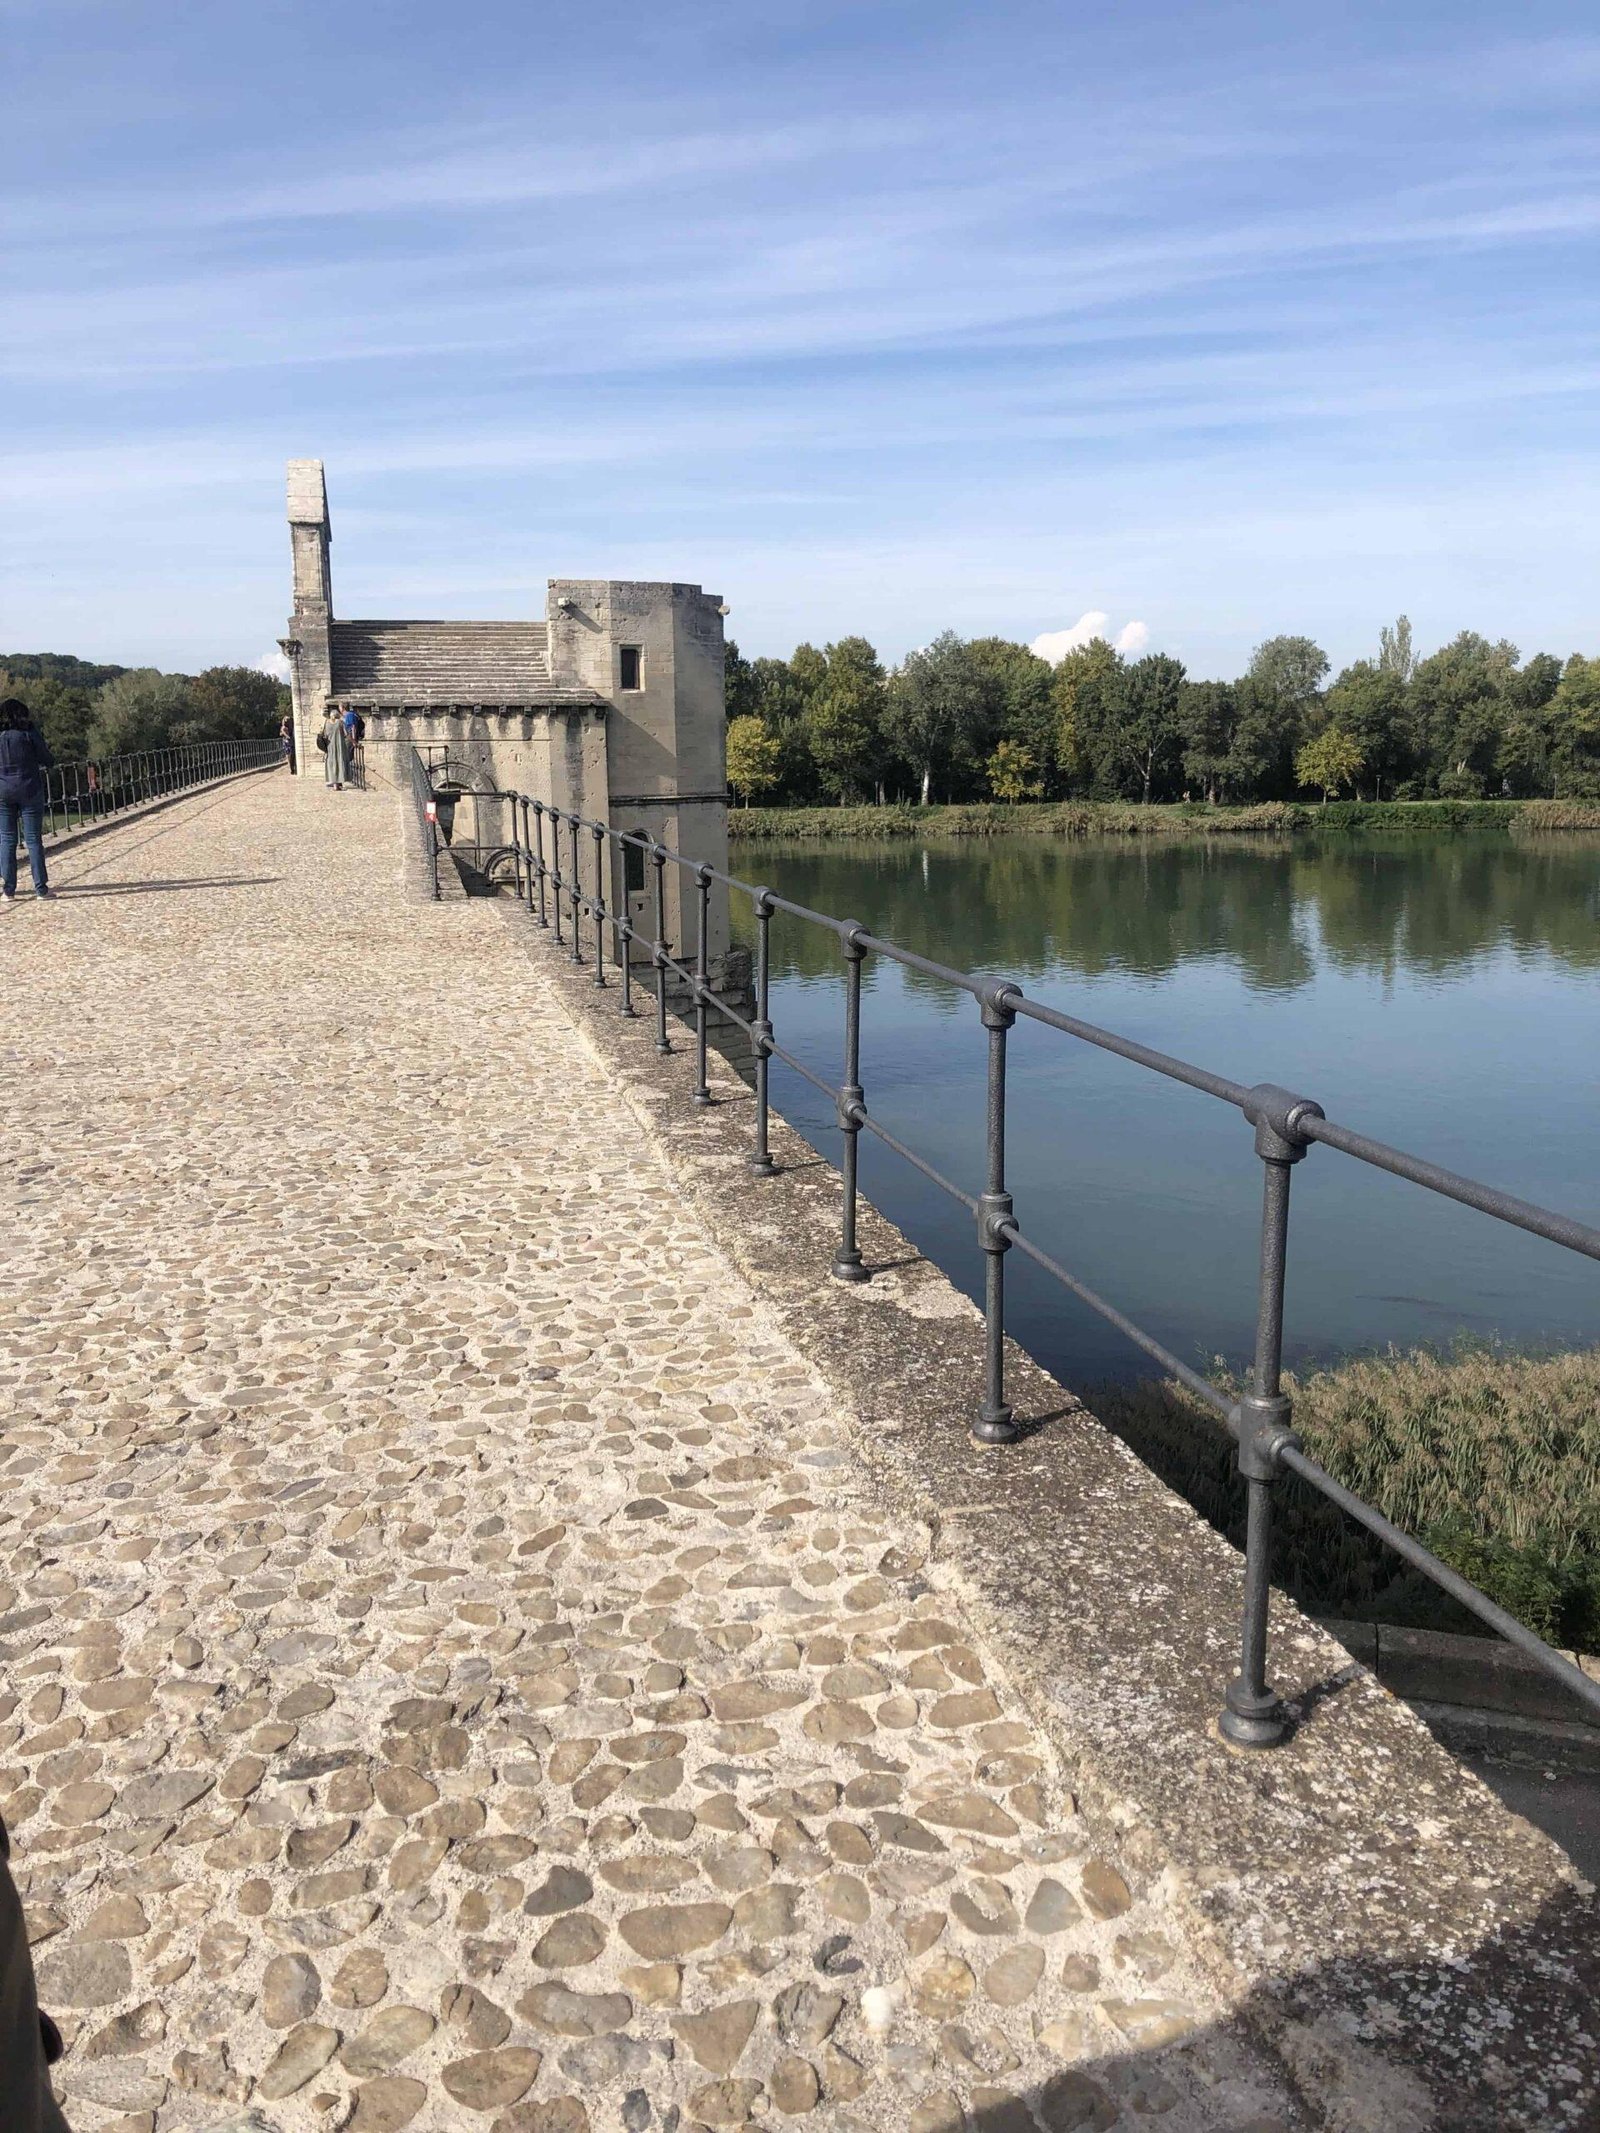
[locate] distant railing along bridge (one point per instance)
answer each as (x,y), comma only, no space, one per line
(546,847)
(79,794)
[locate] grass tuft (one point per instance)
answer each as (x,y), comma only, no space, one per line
(1490,1459)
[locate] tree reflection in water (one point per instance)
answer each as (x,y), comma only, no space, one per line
(1437,993)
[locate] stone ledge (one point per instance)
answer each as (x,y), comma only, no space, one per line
(1478,1673)
(1418,1957)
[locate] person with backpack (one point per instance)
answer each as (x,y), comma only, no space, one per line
(355,732)
(24,758)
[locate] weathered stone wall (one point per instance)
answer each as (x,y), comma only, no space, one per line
(666,748)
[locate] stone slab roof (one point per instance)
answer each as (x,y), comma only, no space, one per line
(448,663)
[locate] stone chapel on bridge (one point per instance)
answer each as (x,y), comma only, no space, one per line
(612,705)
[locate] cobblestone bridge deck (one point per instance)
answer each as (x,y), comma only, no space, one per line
(449,1678)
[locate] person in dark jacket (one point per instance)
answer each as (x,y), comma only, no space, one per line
(24,758)
(29,2040)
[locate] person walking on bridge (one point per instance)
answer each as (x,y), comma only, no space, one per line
(24,758)
(335,745)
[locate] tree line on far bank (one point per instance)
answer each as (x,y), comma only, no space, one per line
(986,719)
(89,712)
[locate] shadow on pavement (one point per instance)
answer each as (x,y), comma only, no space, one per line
(1502,2039)
(147,888)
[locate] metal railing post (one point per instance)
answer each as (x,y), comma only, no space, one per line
(624,925)
(702,984)
(847,1264)
(996,1422)
(760,1158)
(1252,1715)
(576,891)
(555,876)
(534,839)
(516,849)
(658,951)
(598,907)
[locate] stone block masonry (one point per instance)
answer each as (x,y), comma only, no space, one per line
(454,1673)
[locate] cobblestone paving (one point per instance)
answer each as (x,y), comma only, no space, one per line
(447,1678)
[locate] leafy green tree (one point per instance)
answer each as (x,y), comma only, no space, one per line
(937,706)
(1095,663)
(1575,730)
(846,718)
(143,708)
(1021,707)
(1208,712)
(1458,703)
(1013,772)
(1368,702)
(1532,686)
(63,712)
(741,695)
(1395,655)
(780,703)
(1292,669)
(1278,707)
(754,757)
(1152,739)
(1331,761)
(1266,731)
(72,673)
(1526,762)
(234,704)
(1128,725)
(808,670)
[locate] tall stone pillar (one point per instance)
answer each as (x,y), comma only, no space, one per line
(309,643)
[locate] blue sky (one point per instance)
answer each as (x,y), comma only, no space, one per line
(1213,321)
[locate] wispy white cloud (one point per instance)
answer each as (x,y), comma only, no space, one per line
(894,341)
(1133,637)
(482,167)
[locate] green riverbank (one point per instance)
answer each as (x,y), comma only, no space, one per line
(1122,818)
(1491,1459)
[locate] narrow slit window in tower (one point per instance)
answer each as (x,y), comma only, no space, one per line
(632,659)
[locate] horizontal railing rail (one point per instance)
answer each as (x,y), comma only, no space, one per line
(549,872)
(78,795)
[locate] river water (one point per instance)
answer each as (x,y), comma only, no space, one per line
(1441,995)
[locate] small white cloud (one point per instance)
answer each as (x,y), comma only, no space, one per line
(1133,637)
(275,664)
(1054,645)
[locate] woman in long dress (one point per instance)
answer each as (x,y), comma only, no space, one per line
(336,761)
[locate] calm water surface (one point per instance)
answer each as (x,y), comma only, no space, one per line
(1443,995)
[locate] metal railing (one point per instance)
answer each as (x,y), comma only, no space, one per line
(77,795)
(1285,1126)
(427,809)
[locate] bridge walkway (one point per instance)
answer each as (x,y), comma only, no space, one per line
(449,1678)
